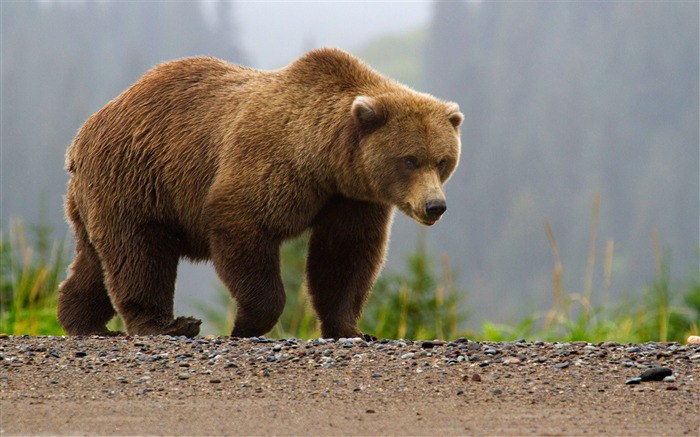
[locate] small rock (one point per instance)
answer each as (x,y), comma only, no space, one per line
(671,387)
(183,376)
(407,356)
(427,345)
(694,339)
(670,379)
(610,344)
(633,381)
(376,375)
(370,411)
(476,377)
(563,365)
(473,346)
(215,381)
(656,374)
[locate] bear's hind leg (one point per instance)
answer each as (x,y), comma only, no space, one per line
(140,275)
(84,307)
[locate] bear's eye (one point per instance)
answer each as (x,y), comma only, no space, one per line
(411,162)
(442,164)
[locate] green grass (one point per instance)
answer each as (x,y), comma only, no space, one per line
(651,314)
(31,272)
(422,303)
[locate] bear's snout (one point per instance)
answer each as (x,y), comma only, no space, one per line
(435,208)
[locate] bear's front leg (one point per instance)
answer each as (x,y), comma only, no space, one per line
(250,269)
(346,253)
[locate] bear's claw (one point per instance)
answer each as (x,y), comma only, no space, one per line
(183,326)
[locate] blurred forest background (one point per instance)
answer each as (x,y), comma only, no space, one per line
(563,102)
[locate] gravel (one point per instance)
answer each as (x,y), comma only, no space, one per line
(459,386)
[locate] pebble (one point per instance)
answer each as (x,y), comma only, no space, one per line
(694,339)
(407,356)
(655,374)
(183,376)
(670,379)
(633,381)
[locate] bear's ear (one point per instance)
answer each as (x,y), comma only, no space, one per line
(369,112)
(454,115)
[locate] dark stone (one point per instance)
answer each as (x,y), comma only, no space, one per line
(656,374)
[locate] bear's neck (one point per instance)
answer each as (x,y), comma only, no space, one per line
(345,170)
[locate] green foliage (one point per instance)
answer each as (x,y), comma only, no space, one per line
(651,314)
(660,316)
(31,272)
(418,304)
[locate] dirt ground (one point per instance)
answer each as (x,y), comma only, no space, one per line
(223,386)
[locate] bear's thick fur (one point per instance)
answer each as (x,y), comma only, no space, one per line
(208,160)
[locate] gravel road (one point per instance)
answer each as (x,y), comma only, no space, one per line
(226,386)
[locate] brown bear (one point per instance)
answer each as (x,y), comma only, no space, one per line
(212,161)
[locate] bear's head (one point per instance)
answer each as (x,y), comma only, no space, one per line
(409,147)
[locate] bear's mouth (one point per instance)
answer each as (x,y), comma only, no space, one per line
(428,222)
(417,216)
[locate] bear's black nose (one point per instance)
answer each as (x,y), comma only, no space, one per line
(435,208)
